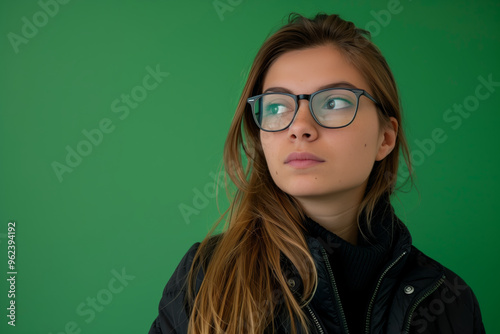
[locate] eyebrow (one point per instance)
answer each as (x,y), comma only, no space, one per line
(342,84)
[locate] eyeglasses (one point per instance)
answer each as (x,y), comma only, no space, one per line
(331,108)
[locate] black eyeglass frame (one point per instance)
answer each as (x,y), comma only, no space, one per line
(309,97)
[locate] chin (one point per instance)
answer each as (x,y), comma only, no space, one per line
(321,189)
(302,190)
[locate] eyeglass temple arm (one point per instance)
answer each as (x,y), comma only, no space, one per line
(365,93)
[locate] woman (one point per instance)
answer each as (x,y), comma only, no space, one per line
(312,244)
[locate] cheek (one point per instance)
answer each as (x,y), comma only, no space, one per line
(366,140)
(267,146)
(270,148)
(358,146)
(368,144)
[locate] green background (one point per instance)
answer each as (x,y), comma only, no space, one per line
(118,209)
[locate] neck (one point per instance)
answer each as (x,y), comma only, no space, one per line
(339,217)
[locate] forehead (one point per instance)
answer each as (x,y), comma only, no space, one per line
(305,71)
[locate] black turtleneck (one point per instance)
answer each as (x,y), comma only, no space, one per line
(356,268)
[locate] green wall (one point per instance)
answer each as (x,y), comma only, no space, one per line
(115,210)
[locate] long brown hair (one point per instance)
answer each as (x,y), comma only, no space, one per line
(244,287)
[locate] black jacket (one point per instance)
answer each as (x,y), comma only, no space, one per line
(413,294)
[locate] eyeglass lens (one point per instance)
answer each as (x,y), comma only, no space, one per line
(331,108)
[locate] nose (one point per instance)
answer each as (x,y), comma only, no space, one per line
(304,127)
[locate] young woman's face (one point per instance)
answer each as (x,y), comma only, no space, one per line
(342,158)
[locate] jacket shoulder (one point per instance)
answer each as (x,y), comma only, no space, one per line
(448,305)
(173,309)
(177,281)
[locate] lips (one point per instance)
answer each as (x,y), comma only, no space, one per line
(302,160)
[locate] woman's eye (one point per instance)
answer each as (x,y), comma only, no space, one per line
(276,108)
(337,103)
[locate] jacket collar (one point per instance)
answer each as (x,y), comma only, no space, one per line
(322,300)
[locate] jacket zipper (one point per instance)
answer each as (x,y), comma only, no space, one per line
(335,290)
(370,306)
(412,309)
(316,322)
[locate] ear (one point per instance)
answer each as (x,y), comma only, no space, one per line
(388,135)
